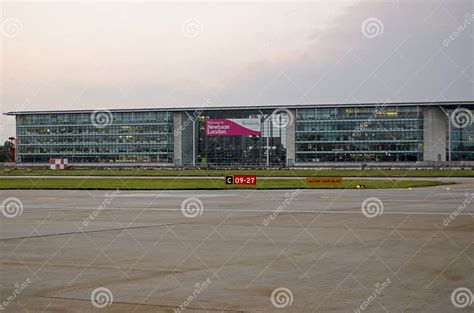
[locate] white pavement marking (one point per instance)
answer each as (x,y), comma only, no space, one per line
(166,195)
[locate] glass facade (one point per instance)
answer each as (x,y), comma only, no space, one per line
(248,150)
(372,134)
(462,140)
(104,137)
(314,134)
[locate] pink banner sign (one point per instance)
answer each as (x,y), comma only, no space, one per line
(233,127)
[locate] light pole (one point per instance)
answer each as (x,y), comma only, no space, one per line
(194,143)
(449,137)
(268,143)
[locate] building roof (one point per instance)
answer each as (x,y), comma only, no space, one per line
(261,107)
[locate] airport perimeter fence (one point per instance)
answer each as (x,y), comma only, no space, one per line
(464,165)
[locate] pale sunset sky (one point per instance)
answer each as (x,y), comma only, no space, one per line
(65,55)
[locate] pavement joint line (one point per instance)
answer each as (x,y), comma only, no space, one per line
(92,231)
(103,251)
(34,230)
(145,304)
(263,211)
(94,266)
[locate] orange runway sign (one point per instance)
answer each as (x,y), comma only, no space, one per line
(323,181)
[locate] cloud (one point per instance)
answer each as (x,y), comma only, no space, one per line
(407,62)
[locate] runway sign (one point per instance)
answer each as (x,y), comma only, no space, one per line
(241,180)
(323,181)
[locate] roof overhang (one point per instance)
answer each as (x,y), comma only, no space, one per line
(468,104)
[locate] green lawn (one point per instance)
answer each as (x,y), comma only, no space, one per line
(183,183)
(268,173)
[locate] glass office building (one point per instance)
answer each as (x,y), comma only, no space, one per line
(366,134)
(100,137)
(313,135)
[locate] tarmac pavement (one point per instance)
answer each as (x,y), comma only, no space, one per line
(394,250)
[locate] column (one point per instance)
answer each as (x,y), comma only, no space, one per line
(434,134)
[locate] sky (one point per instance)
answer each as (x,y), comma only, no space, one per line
(96,55)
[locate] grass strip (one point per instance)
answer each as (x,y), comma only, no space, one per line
(193,184)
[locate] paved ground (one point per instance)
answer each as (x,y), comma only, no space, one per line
(239,248)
